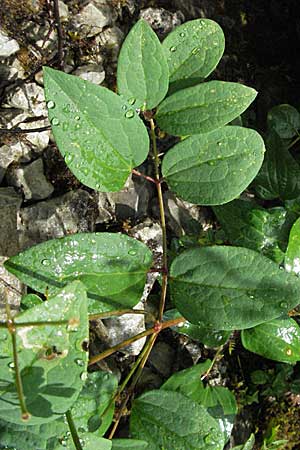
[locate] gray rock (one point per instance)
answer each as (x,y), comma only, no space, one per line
(124,327)
(63,11)
(10,203)
(161,20)
(8,46)
(73,212)
(181,217)
(30,98)
(131,202)
(162,358)
(91,72)
(31,179)
(11,291)
(93,17)
(111,39)
(193,9)
(10,72)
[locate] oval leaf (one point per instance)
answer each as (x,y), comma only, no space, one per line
(51,359)
(292,256)
(143,74)
(277,339)
(193,51)
(99,135)
(172,421)
(285,120)
(230,287)
(204,107)
(214,168)
(112,267)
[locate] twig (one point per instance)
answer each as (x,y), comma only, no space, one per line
(73,431)
(23,131)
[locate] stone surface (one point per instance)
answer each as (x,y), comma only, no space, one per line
(124,327)
(162,358)
(10,203)
(161,20)
(8,46)
(11,291)
(73,212)
(93,17)
(29,98)
(91,72)
(111,39)
(63,11)
(31,180)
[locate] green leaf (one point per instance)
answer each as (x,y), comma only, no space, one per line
(52,361)
(248,445)
(214,168)
(193,51)
(292,256)
(171,421)
(278,339)
(207,336)
(93,401)
(99,134)
(129,444)
(285,120)
(112,267)
(29,301)
(204,107)
(279,175)
(143,74)
(248,225)
(230,287)
(90,442)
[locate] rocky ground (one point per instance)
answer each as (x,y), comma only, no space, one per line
(40,199)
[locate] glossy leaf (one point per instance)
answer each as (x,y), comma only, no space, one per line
(52,361)
(193,51)
(143,74)
(112,266)
(230,287)
(292,256)
(129,444)
(214,168)
(93,401)
(248,225)
(207,336)
(99,134)
(174,422)
(202,108)
(285,120)
(278,339)
(279,175)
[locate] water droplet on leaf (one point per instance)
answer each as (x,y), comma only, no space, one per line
(45,262)
(172,49)
(55,121)
(11,365)
(68,158)
(131,101)
(84,376)
(283,305)
(50,104)
(77,117)
(129,114)
(289,352)
(132,252)
(195,50)
(79,362)
(182,34)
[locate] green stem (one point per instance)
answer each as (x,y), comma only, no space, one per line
(35,324)
(219,351)
(119,312)
(73,431)
(297,139)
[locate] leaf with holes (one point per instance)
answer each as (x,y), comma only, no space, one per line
(246,224)
(214,168)
(52,359)
(230,287)
(112,267)
(143,74)
(285,120)
(98,133)
(278,339)
(202,108)
(279,176)
(193,51)
(172,421)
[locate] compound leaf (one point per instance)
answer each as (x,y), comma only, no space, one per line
(292,256)
(52,360)
(248,225)
(143,74)
(193,51)
(230,287)
(98,133)
(278,339)
(285,120)
(202,108)
(214,168)
(279,175)
(112,267)
(169,420)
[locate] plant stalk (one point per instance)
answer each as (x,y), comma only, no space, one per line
(73,431)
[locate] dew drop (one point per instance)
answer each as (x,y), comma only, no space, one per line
(172,49)
(84,376)
(68,158)
(79,362)
(182,34)
(85,171)
(66,108)
(97,186)
(11,365)
(219,143)
(131,101)
(129,114)
(55,121)
(124,107)
(195,50)
(289,352)
(65,126)
(132,252)
(50,104)
(211,163)
(45,262)
(77,117)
